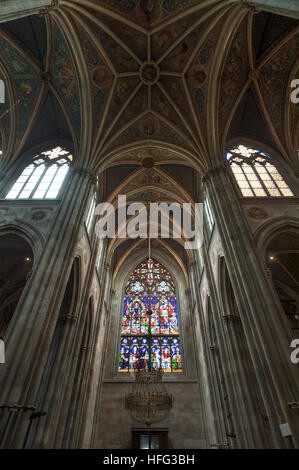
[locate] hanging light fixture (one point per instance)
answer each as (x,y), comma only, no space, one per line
(148,402)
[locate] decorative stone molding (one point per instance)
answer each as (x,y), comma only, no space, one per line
(251,7)
(214,172)
(84,172)
(69,318)
(253,75)
(294,405)
(269,273)
(46,10)
(28,275)
(230,318)
(257,213)
(46,77)
(16,408)
(222,445)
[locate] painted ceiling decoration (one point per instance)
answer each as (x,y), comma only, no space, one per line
(20,70)
(274,84)
(148,91)
(150,79)
(64,77)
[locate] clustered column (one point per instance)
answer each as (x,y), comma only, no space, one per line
(260,312)
(31,329)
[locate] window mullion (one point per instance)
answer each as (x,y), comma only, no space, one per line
(260,179)
(251,188)
(54,176)
(39,181)
(29,176)
(273,181)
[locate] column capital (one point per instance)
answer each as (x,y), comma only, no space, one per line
(213,349)
(69,318)
(16,408)
(230,318)
(251,7)
(47,9)
(84,172)
(218,170)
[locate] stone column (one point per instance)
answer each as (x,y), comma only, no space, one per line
(214,421)
(94,377)
(31,329)
(288,8)
(245,384)
(222,370)
(15,9)
(264,327)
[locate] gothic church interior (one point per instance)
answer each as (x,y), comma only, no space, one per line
(174,102)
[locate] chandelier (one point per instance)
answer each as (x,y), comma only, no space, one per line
(148,402)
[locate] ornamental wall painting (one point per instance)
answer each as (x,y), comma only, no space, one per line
(150,340)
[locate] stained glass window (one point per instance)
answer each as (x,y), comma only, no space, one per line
(43,178)
(255,174)
(150,340)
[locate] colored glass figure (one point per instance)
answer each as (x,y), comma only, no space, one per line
(255,173)
(164,316)
(166,358)
(124,355)
(126,326)
(176,356)
(155,318)
(150,280)
(156,354)
(134,354)
(144,354)
(173,315)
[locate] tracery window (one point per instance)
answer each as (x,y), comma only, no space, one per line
(43,178)
(150,340)
(255,174)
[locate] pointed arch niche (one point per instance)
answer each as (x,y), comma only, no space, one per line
(16,262)
(115,337)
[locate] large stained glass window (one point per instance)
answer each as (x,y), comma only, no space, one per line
(255,174)
(150,340)
(43,178)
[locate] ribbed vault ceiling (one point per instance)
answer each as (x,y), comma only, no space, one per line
(128,73)
(124,80)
